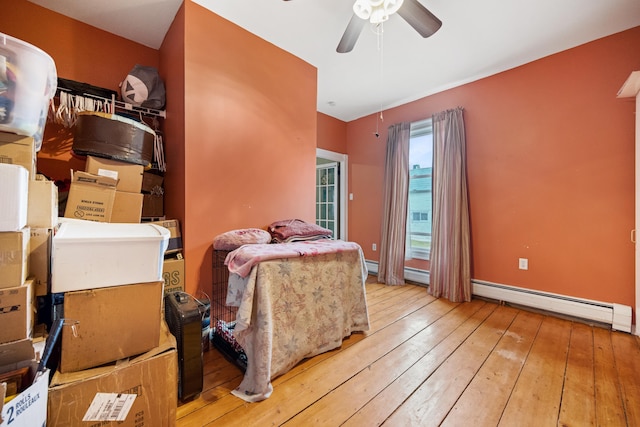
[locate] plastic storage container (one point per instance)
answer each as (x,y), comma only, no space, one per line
(89,255)
(28,81)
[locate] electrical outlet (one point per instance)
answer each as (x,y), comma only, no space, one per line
(523,263)
(374,247)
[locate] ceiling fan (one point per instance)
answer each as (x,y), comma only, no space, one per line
(378,11)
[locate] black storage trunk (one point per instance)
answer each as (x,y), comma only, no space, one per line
(184,318)
(104,135)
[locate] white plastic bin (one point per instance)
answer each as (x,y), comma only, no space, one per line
(28,81)
(89,255)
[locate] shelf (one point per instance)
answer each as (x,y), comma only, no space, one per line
(130,107)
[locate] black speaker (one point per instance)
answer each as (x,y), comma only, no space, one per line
(184,318)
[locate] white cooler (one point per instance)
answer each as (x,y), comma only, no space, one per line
(89,255)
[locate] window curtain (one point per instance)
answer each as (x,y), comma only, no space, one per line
(450,274)
(394,220)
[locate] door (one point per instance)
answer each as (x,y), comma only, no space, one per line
(336,200)
(327,192)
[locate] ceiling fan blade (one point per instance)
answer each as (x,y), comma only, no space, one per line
(351,34)
(423,21)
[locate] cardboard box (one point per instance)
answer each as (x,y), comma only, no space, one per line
(14,188)
(129,175)
(18,150)
(14,257)
(175,238)
(151,182)
(89,255)
(152,378)
(43,203)
(173,274)
(112,323)
(28,408)
(127,207)
(40,259)
(17,311)
(153,206)
(90,197)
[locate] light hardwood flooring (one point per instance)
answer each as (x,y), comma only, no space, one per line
(429,362)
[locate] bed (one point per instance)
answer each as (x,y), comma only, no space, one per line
(295,300)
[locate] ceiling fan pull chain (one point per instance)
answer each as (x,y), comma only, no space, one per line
(380,117)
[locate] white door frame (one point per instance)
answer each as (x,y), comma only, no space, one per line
(342,160)
(631,89)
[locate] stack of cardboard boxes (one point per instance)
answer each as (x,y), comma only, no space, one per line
(95,276)
(106,191)
(27,218)
(27,205)
(116,351)
(109,280)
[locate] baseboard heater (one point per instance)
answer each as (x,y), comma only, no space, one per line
(616,315)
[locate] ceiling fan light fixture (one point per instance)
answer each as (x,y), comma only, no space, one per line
(378,16)
(392,6)
(376,11)
(363,9)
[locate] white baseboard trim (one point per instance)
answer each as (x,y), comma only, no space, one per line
(616,315)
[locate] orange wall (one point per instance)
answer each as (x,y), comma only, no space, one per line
(332,134)
(82,53)
(550,154)
(249,136)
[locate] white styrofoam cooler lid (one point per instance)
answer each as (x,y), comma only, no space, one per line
(83,231)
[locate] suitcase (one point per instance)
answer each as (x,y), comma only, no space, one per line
(184,318)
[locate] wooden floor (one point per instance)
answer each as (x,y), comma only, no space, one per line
(428,362)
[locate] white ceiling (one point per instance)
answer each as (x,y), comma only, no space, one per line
(477,39)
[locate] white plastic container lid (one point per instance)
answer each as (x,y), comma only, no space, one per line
(84,231)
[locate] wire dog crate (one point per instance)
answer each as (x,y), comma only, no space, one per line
(219,308)
(223,317)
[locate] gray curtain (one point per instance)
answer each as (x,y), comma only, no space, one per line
(450,274)
(394,220)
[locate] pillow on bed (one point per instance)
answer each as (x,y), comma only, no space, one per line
(233,239)
(295,230)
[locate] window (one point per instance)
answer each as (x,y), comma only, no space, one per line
(419,215)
